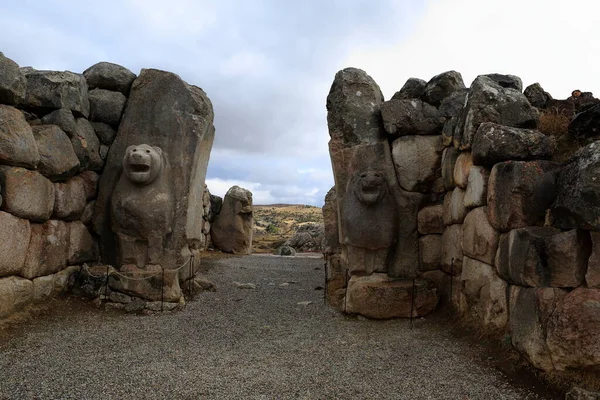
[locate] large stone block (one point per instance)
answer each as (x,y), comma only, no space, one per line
(476,193)
(48,249)
(150,283)
(577,203)
(544,257)
(430,252)
(86,145)
(430,220)
(331,239)
(15,293)
(495,143)
(592,277)
(54,90)
(232,229)
(452,252)
(109,76)
(441,86)
(519,193)
(106,106)
(12,82)
(14,241)
(90,184)
(413,88)
(62,118)
(26,194)
(536,95)
(484,294)
(449,157)
(70,199)
(454,207)
(530,310)
(17,146)
(417,160)
(452,106)
(411,117)
(480,239)
(574,331)
(105,133)
(462,169)
(43,287)
(82,247)
(380,297)
(57,157)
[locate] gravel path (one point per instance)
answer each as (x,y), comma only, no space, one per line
(263,343)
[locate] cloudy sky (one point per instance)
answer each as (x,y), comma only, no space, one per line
(267,65)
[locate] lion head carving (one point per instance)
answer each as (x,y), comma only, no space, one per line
(370,186)
(143,163)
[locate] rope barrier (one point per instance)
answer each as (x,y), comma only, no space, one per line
(130,278)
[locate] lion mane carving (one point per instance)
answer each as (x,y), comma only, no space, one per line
(142,206)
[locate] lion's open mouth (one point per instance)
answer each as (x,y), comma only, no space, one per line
(139,168)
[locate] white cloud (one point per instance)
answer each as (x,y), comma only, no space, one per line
(220,187)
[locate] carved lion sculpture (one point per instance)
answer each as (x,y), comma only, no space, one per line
(142,207)
(369,213)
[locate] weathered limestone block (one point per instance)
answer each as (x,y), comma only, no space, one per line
(488,101)
(530,311)
(484,294)
(412,89)
(536,95)
(109,76)
(441,86)
(507,81)
(15,293)
(452,106)
(519,193)
(70,199)
(14,240)
(147,283)
(480,239)
(430,220)
(380,297)
(48,249)
(331,240)
(544,256)
(411,117)
(592,277)
(17,146)
(353,109)
(577,203)
(65,279)
(417,160)
(454,207)
(105,133)
(54,89)
(62,118)
(476,193)
(448,287)
(26,194)
(82,247)
(57,157)
(574,330)
(106,106)
(430,252)
(90,184)
(452,252)
(233,227)
(43,287)
(12,82)
(86,145)
(182,126)
(449,157)
(462,168)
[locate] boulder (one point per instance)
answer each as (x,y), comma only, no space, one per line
(530,310)
(91,281)
(574,331)
(448,131)
(484,294)
(487,101)
(507,81)
(453,105)
(88,213)
(353,114)
(495,143)
(544,257)
(26,194)
(480,239)
(90,184)
(463,165)
(106,106)
(454,208)
(476,193)
(448,287)
(380,297)
(430,252)
(537,96)
(331,239)
(586,124)
(449,156)
(430,220)
(286,250)
(232,229)
(17,146)
(412,89)
(48,249)
(577,202)
(216,203)
(55,90)
(82,247)
(86,145)
(14,240)
(105,133)
(411,117)
(452,253)
(109,76)
(441,86)
(417,160)
(12,82)
(308,237)
(43,287)
(64,280)
(592,277)
(519,193)
(70,199)
(57,158)
(15,293)
(62,118)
